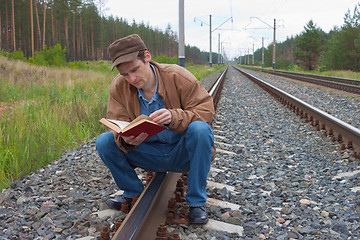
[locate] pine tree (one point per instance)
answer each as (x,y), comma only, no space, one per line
(309,46)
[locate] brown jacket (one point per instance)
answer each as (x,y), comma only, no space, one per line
(181,92)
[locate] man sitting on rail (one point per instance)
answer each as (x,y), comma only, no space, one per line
(171,96)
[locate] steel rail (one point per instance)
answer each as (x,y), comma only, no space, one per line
(328,78)
(151,207)
(347,135)
(344,84)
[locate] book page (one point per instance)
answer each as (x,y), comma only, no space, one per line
(121,124)
(141,117)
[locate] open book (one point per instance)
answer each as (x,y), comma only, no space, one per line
(140,124)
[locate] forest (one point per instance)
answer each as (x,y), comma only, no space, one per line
(313,49)
(80,27)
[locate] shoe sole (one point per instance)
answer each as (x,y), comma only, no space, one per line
(198,221)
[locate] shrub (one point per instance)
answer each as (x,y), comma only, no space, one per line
(16,55)
(54,56)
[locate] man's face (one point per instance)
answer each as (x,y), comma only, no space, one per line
(135,72)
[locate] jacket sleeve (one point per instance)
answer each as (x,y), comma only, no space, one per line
(196,103)
(116,110)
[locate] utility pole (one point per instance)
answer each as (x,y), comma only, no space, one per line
(248,56)
(221,54)
(218,49)
(181,50)
(210,31)
(210,56)
(262,54)
(274,47)
(253,56)
(274,40)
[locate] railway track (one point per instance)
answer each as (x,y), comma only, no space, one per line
(347,135)
(150,213)
(343,84)
(274,177)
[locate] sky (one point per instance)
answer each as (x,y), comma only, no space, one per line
(241,24)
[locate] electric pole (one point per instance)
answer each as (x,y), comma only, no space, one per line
(248,56)
(210,33)
(274,40)
(219,49)
(253,56)
(262,54)
(274,47)
(210,56)
(181,50)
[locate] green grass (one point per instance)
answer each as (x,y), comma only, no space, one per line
(45,111)
(201,71)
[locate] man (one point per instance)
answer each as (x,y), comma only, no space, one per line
(171,96)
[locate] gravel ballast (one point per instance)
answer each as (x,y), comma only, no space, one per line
(290,181)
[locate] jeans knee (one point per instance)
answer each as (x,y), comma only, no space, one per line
(104,141)
(200,129)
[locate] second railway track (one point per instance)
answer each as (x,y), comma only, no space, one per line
(281,179)
(343,84)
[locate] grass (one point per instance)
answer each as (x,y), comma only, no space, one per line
(340,74)
(46,110)
(201,71)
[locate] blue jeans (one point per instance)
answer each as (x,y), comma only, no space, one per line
(191,154)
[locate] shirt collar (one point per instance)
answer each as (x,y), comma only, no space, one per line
(155,96)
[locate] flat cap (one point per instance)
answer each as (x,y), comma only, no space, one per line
(125,49)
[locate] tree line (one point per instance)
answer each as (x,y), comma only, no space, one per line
(81,28)
(313,49)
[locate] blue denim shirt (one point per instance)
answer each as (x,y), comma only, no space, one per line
(148,107)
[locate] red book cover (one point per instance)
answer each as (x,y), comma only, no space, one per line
(140,124)
(143,126)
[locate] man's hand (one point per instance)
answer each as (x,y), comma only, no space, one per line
(135,140)
(161,116)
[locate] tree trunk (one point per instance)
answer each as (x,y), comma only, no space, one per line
(7,27)
(78,45)
(43,43)
(80,40)
(38,26)
(87,47)
(92,41)
(52,23)
(0,32)
(32,29)
(73,37)
(66,37)
(13,25)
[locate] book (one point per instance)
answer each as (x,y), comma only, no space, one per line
(140,124)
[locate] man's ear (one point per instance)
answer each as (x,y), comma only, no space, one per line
(147,56)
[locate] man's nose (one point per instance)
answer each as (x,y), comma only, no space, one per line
(132,77)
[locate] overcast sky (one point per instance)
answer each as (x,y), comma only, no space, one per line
(250,20)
